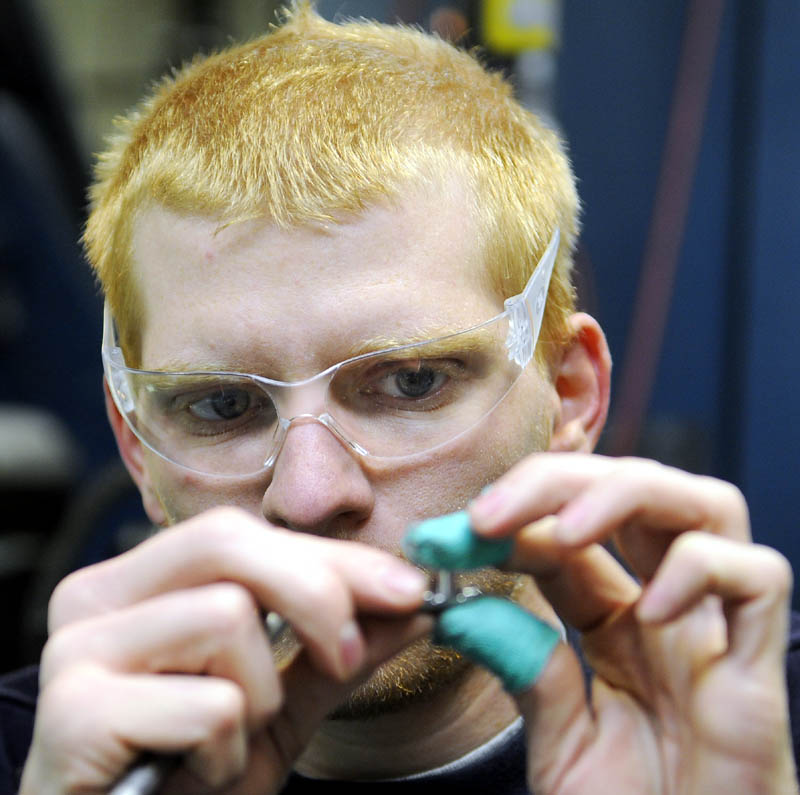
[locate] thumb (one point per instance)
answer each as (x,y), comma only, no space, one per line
(500,635)
(536,667)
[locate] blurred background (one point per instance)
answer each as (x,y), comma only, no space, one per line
(682,120)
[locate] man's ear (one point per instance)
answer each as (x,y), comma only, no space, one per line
(130,448)
(582,380)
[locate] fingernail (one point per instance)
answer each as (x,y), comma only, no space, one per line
(351,648)
(404,580)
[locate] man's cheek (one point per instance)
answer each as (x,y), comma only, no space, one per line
(184,493)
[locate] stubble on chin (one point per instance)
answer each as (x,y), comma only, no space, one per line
(420,671)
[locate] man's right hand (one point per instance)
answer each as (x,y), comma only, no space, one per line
(163,649)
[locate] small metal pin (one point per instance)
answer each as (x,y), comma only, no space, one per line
(443,593)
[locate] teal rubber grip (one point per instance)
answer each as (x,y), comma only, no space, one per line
(447,542)
(501,636)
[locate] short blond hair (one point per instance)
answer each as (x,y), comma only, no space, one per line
(314,120)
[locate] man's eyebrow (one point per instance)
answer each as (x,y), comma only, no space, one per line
(168,366)
(441,341)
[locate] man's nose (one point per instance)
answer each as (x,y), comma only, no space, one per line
(317,485)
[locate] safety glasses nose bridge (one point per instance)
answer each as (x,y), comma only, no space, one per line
(300,402)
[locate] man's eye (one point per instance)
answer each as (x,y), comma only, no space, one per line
(423,383)
(416,383)
(223,405)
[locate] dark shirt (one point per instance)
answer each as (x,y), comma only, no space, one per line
(18,692)
(502,773)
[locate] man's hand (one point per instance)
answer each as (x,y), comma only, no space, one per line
(688,694)
(163,649)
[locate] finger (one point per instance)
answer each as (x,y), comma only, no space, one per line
(658,496)
(646,507)
(310,697)
(538,486)
(753,581)
(215,630)
(501,635)
(118,716)
(585,586)
(227,541)
(542,673)
(594,496)
(558,721)
(93,723)
(316,584)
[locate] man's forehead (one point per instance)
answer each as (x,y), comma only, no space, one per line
(291,346)
(425,224)
(392,276)
(419,214)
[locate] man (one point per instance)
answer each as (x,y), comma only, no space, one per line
(306,244)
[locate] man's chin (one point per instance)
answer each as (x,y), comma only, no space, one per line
(420,671)
(414,675)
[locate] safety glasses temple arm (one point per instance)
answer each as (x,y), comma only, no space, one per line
(109,346)
(526,310)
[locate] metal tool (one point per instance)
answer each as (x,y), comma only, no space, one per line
(443,593)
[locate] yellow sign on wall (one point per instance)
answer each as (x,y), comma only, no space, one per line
(514,26)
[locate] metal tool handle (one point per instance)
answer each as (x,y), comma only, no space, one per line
(146,776)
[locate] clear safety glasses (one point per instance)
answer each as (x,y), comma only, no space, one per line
(392,403)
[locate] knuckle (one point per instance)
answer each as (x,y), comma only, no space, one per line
(643,467)
(730,498)
(635,479)
(227,513)
(324,593)
(733,495)
(73,598)
(56,653)
(231,609)
(689,551)
(272,704)
(62,595)
(68,694)
(214,526)
(632,462)
(226,709)
(70,647)
(777,571)
(690,545)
